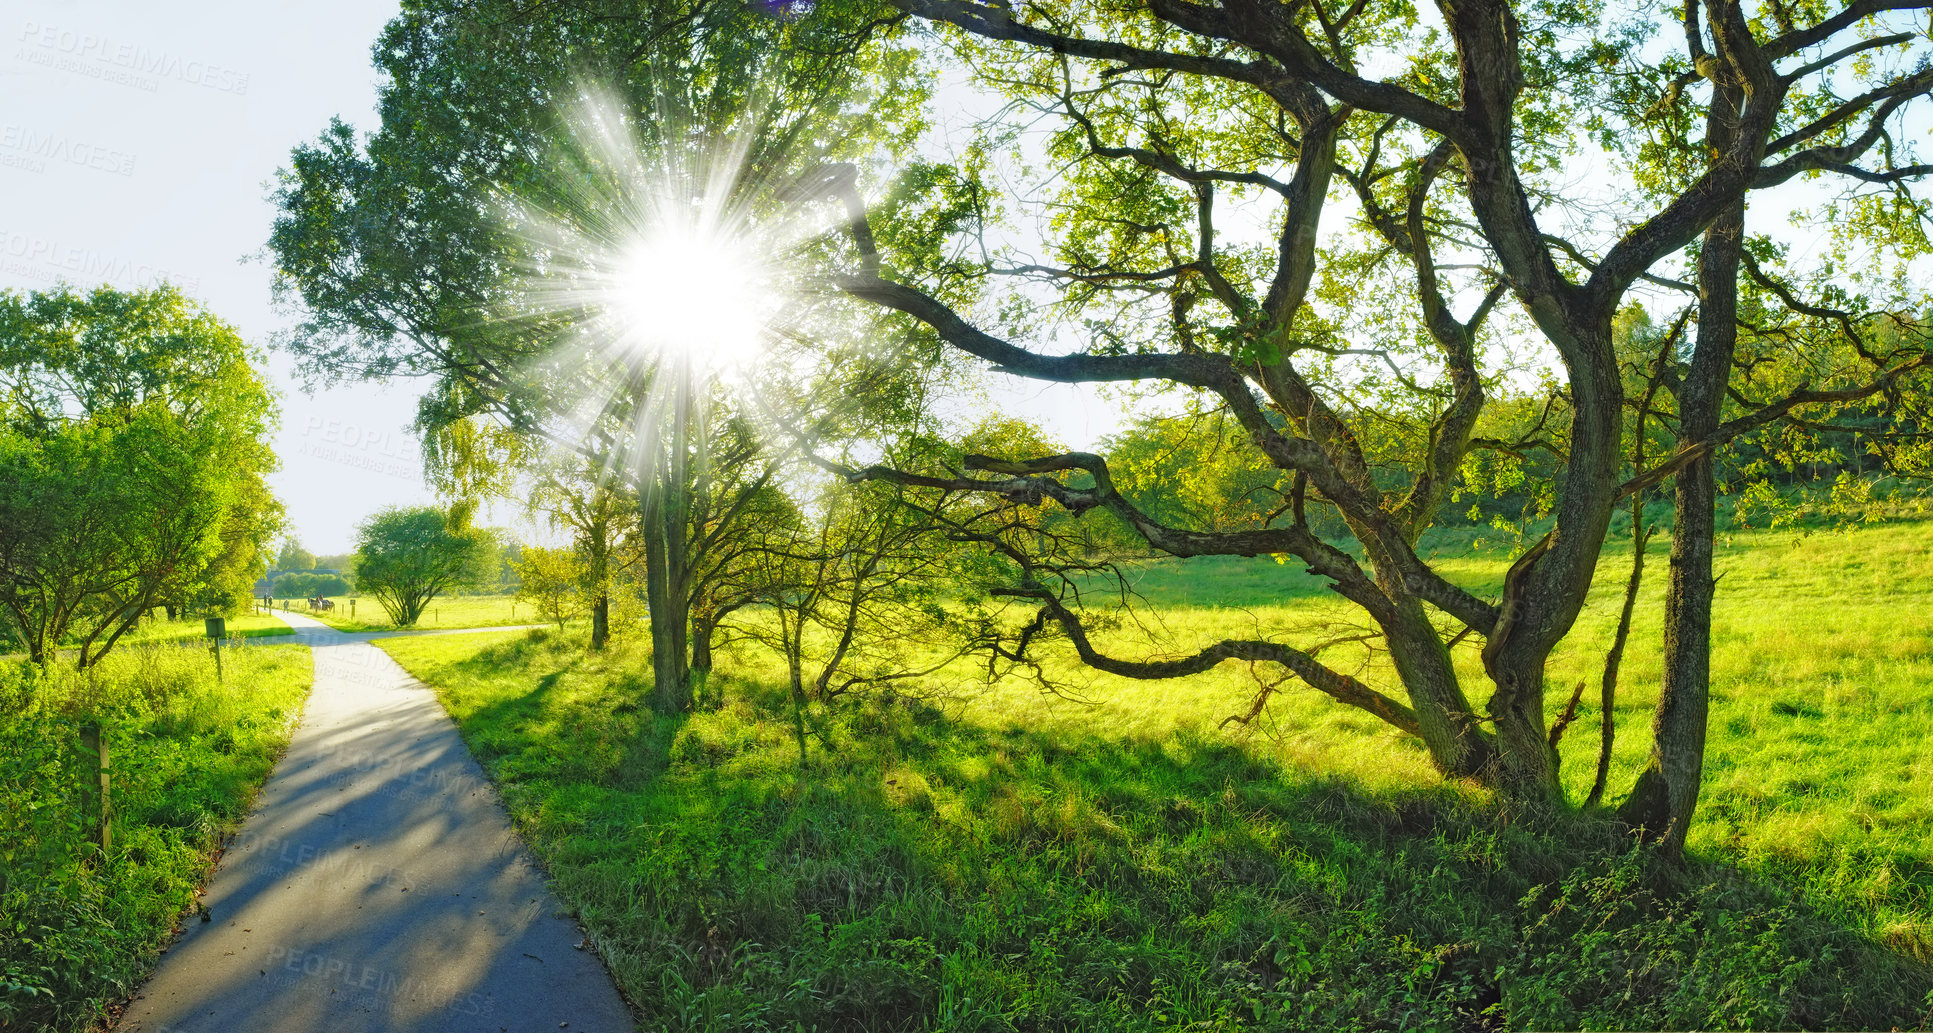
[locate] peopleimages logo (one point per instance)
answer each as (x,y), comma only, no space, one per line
(324,971)
(39,147)
(85,53)
(42,259)
(363,448)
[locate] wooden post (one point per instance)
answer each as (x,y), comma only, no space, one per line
(217,628)
(94,751)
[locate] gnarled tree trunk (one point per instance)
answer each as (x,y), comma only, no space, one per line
(1666,792)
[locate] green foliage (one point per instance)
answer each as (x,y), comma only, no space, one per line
(554,581)
(294,557)
(413,247)
(78,930)
(309,586)
(1623,943)
(601,517)
(406,557)
(388,240)
(133,452)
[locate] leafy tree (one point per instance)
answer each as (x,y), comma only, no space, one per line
(396,245)
(294,557)
(555,581)
(133,455)
(869,582)
(227,584)
(407,556)
(1455,141)
(602,519)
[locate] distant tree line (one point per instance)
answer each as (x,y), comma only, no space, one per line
(309,586)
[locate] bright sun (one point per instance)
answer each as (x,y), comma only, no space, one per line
(690,293)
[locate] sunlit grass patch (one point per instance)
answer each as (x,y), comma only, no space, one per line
(974,856)
(242,625)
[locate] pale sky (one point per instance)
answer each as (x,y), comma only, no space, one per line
(138,141)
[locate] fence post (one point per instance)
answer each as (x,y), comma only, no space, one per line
(94,745)
(216,629)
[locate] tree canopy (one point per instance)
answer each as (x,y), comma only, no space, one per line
(133,451)
(410,250)
(407,556)
(294,557)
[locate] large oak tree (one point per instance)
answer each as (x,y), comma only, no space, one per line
(1457,139)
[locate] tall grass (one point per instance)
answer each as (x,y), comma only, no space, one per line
(79,928)
(999,857)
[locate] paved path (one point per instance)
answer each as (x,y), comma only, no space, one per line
(378,886)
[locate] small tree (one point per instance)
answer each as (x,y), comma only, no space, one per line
(406,557)
(602,518)
(294,557)
(555,582)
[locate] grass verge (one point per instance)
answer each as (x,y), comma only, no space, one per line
(79,928)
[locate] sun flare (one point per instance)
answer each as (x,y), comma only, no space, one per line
(690,294)
(657,266)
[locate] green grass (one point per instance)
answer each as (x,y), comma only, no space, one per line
(455,611)
(244,625)
(79,930)
(1005,858)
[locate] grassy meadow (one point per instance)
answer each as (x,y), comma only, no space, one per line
(966,856)
(445,612)
(241,626)
(79,929)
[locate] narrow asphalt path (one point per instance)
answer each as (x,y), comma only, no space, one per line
(378,886)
